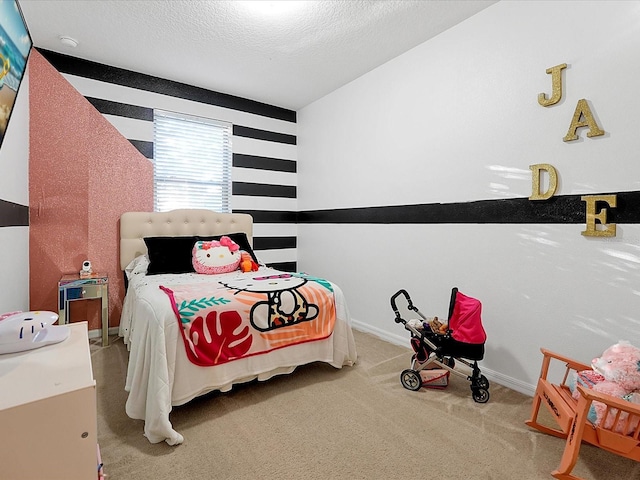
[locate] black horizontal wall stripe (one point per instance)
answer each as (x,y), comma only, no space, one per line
(264,163)
(557,209)
(145,148)
(270,216)
(13,214)
(119,76)
(284,266)
(627,210)
(248,132)
(263,190)
(274,243)
(108,107)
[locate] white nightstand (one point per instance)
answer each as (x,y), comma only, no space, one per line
(48,411)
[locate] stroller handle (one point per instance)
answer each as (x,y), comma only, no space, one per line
(395,307)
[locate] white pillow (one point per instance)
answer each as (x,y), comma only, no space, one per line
(137,266)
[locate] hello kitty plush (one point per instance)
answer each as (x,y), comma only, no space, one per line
(616,372)
(216,256)
(21,331)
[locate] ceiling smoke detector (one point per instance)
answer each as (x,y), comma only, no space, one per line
(68,42)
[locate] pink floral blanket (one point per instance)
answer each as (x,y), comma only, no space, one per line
(251,314)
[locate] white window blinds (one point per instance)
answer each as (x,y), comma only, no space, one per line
(192,162)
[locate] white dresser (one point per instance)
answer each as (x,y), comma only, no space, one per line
(48,426)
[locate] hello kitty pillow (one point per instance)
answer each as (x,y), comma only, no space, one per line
(214,257)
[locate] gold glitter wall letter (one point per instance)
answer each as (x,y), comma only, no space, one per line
(583,112)
(556,85)
(607,230)
(536,171)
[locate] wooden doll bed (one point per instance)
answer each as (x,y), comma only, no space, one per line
(160,374)
(571,416)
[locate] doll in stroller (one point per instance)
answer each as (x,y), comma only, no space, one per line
(439,345)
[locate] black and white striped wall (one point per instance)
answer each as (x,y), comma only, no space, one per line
(13,214)
(14,207)
(264,142)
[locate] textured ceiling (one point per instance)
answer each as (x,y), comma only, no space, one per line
(284,53)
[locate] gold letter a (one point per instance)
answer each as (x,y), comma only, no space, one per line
(583,110)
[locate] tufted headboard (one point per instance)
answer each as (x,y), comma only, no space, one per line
(134,226)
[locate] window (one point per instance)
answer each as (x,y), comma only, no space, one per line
(192,162)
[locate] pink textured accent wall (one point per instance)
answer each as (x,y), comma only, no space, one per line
(83,174)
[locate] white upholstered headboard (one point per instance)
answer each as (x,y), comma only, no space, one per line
(134,226)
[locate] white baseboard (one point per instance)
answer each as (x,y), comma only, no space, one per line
(403,340)
(510,382)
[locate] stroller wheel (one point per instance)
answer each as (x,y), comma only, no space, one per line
(480,395)
(411,380)
(483,382)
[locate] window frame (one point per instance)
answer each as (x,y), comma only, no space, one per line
(182,150)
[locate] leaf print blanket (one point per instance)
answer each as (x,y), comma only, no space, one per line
(251,314)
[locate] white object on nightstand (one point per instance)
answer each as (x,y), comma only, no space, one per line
(30,330)
(48,411)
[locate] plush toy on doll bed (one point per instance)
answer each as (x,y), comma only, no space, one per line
(616,373)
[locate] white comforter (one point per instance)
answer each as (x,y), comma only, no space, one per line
(159,373)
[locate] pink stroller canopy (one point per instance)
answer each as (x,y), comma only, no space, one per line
(466,321)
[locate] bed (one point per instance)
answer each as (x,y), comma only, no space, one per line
(173,354)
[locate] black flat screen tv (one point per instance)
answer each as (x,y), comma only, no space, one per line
(15,46)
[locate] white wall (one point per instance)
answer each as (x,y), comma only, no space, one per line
(14,187)
(456,119)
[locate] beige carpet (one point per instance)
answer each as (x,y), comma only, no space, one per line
(323,423)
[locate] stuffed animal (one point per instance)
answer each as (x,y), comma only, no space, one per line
(616,372)
(417,324)
(437,326)
(434,324)
(216,257)
(247,264)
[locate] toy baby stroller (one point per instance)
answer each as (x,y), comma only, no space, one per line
(461,340)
